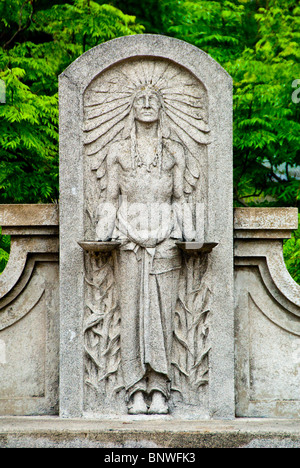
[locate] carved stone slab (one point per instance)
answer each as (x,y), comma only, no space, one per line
(110,100)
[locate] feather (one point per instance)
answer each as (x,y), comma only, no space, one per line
(109,137)
(97,159)
(94,134)
(186,122)
(188,134)
(193,167)
(182,108)
(190,179)
(105,117)
(103,109)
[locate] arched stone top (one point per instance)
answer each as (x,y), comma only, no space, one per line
(83,70)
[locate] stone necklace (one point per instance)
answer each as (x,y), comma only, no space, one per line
(140,162)
(137,160)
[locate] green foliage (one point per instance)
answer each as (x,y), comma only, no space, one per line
(4,250)
(291,252)
(37,43)
(28,143)
(150,13)
(257,42)
(267,124)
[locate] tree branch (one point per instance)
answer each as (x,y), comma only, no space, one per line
(21,29)
(279,179)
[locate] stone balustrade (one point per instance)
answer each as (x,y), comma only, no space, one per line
(267,314)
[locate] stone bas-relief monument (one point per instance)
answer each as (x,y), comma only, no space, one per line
(168,304)
(144,118)
(148,122)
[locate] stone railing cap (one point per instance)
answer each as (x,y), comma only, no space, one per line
(29,215)
(266,218)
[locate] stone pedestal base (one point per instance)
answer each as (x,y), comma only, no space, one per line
(150,433)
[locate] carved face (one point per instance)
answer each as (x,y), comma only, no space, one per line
(147,106)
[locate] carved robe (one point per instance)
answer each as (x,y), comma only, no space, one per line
(148,278)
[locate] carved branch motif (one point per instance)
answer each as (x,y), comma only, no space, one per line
(102,325)
(190,357)
(191,345)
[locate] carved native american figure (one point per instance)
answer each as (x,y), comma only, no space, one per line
(143,125)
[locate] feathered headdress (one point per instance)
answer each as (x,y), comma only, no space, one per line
(108,106)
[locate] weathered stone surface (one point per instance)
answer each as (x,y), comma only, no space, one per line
(110,100)
(29,215)
(265,223)
(267,316)
(94,147)
(149,434)
(29,312)
(265,219)
(267,327)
